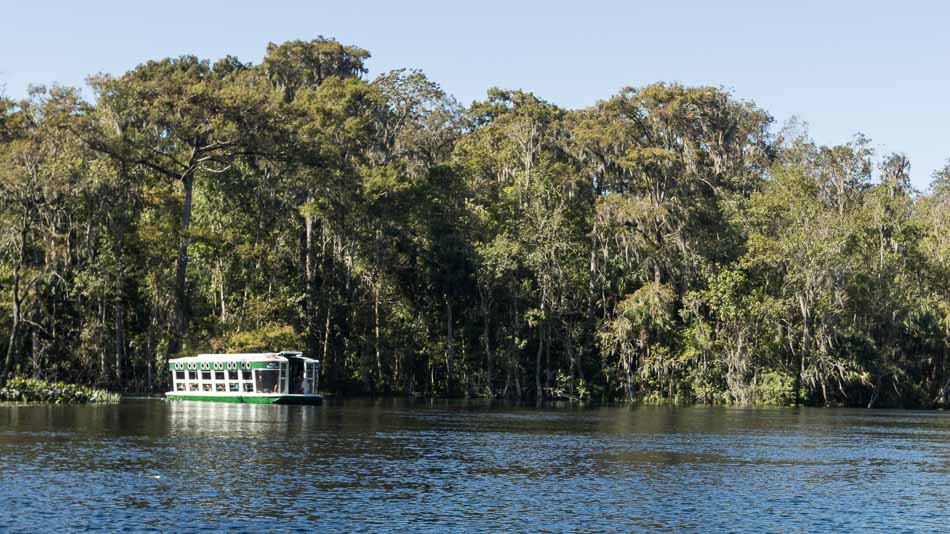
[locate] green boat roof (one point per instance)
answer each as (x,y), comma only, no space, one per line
(242,357)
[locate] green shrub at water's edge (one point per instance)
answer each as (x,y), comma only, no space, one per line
(774,388)
(19,389)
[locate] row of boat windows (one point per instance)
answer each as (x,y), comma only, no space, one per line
(230,386)
(218,375)
(266,381)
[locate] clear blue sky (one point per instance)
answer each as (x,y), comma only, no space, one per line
(878,67)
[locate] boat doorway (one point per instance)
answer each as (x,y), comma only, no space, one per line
(302,373)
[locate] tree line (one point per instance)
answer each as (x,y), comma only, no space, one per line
(664,244)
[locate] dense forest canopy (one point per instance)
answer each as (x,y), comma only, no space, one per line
(661,245)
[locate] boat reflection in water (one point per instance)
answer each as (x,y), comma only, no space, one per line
(225,420)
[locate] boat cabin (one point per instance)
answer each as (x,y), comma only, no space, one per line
(275,377)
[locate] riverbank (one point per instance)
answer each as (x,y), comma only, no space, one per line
(19,389)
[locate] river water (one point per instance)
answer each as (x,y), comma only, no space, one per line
(399,465)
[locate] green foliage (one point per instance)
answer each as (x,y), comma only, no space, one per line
(774,388)
(19,389)
(658,246)
(264,339)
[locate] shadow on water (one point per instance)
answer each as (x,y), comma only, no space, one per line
(469,465)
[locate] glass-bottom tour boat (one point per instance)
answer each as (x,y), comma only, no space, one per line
(260,378)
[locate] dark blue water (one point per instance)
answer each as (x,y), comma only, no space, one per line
(389,465)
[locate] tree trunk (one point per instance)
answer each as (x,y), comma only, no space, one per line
(537,364)
(14,330)
(486,337)
(221,293)
(100,345)
(326,349)
(449,349)
(36,349)
(547,365)
(377,281)
(537,358)
(119,341)
(311,307)
(181,312)
(17,302)
(628,371)
(330,363)
(379,357)
(801,351)
(119,224)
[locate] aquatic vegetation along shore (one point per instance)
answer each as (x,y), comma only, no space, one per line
(19,389)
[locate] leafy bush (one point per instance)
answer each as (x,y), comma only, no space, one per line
(18,389)
(774,388)
(268,338)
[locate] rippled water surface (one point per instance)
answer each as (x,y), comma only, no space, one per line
(393,465)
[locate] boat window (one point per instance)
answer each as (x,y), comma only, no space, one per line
(180,387)
(192,375)
(232,375)
(206,387)
(268,381)
(219,387)
(206,375)
(311,379)
(192,387)
(219,375)
(179,375)
(247,375)
(233,386)
(249,387)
